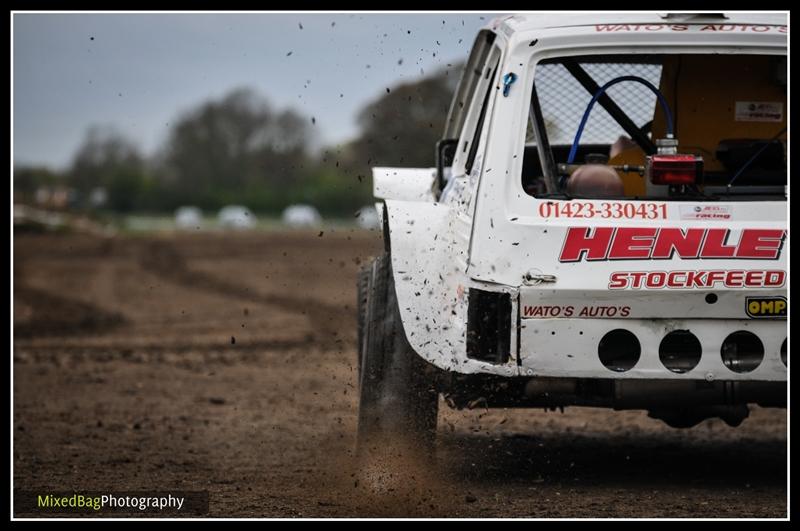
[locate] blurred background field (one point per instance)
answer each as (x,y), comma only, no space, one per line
(155,223)
(353,91)
(236,151)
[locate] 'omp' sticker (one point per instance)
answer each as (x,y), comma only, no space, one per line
(758,307)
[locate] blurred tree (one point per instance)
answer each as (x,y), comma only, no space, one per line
(238,149)
(236,144)
(27,179)
(107,160)
(401,127)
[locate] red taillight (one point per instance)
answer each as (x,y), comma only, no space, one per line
(674,169)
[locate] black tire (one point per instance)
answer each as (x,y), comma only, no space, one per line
(362,289)
(399,402)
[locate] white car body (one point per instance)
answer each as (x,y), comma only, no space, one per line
(301,216)
(236,217)
(188,218)
(485,233)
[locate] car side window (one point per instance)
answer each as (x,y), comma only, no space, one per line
(473,149)
(467,148)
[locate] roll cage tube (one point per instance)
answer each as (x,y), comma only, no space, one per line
(574,150)
(637,134)
(543,144)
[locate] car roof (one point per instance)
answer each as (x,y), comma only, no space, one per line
(527,21)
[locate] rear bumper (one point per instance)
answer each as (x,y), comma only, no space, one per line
(571,348)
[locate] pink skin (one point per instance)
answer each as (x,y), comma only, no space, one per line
(595,181)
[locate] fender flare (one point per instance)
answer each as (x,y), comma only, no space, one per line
(428,259)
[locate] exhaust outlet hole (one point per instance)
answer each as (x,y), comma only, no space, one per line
(680,351)
(619,350)
(742,351)
(784,357)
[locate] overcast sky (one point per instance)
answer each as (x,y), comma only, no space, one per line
(138,72)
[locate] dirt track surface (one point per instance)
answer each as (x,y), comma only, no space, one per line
(226,363)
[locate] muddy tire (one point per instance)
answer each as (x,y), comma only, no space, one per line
(398,403)
(362,293)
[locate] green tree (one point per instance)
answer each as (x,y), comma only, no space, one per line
(108,160)
(225,148)
(27,179)
(401,127)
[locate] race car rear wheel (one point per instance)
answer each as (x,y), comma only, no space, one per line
(362,289)
(398,403)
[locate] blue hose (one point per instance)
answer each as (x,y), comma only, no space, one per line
(574,150)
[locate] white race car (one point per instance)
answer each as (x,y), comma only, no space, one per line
(606,226)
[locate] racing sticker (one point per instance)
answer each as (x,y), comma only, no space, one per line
(654,243)
(739,28)
(759,111)
(766,307)
(698,212)
(594,311)
(700,279)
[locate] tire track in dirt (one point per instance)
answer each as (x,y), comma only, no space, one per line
(163,260)
(177,355)
(50,314)
(57,315)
